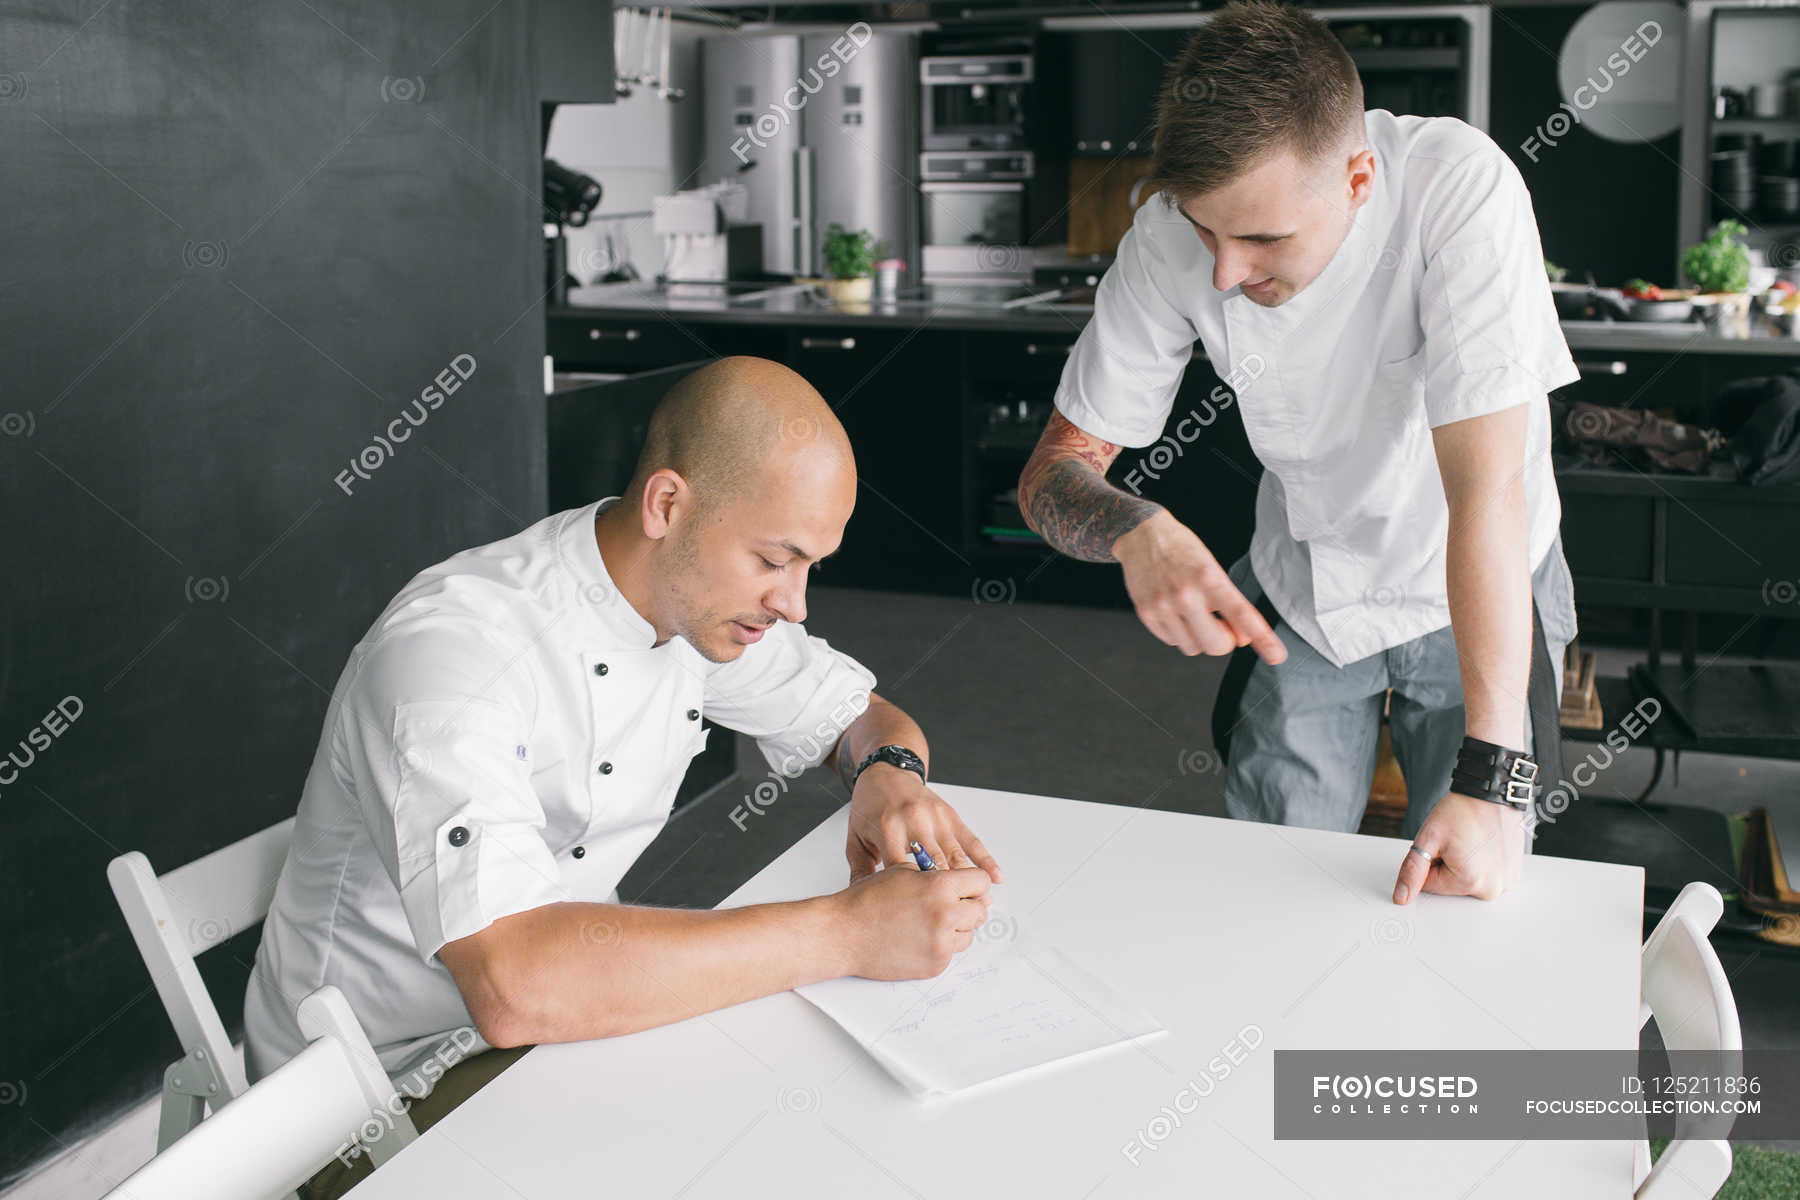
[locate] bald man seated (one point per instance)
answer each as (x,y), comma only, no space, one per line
(509,735)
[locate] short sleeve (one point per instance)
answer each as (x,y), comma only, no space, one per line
(793,693)
(433,744)
(1120,381)
(1492,340)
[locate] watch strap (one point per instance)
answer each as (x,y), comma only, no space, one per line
(895,756)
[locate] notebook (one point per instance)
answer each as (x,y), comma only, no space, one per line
(1007,1005)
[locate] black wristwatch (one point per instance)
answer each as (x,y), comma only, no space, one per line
(1494,773)
(895,756)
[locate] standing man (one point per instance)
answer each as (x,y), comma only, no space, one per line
(1373,288)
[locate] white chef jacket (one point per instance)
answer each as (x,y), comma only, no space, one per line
(1435,309)
(507,735)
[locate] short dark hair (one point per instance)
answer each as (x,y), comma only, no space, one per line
(1258,78)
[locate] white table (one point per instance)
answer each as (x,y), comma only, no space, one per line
(1211,924)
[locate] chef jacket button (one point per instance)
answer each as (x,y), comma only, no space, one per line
(459,836)
(693,714)
(599,668)
(606,768)
(578,852)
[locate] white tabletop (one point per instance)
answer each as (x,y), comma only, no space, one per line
(1213,925)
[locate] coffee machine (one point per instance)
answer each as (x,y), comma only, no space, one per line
(569,199)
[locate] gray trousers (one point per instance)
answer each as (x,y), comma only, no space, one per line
(1303,735)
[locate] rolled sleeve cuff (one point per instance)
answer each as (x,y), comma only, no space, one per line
(475,877)
(1088,419)
(839,693)
(1463,397)
(468,828)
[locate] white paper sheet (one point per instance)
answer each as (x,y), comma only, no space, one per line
(1004,1005)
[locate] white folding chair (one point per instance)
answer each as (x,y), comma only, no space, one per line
(331,1095)
(1685,989)
(173,918)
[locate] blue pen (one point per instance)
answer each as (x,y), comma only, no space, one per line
(922,858)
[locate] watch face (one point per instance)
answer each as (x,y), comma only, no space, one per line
(900,756)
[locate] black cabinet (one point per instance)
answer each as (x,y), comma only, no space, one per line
(1115,77)
(898,395)
(1202,469)
(1093,82)
(623,344)
(941,423)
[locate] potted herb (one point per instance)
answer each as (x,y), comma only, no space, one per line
(1720,266)
(850,258)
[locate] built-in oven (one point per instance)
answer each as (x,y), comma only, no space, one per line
(972,216)
(974,101)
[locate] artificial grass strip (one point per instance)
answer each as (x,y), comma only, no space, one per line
(1756,1173)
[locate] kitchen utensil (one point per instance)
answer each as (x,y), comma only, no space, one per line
(1657,310)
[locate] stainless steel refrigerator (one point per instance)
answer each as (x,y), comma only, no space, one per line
(817,127)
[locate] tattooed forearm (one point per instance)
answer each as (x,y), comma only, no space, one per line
(846,768)
(1071,506)
(1065,497)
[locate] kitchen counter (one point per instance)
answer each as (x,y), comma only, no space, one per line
(779,304)
(1763,340)
(784,305)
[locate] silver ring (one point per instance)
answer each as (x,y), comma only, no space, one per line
(1414,849)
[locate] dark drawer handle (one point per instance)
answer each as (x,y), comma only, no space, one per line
(1591,366)
(813,343)
(630,335)
(1034,348)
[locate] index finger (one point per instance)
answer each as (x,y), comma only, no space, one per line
(968,882)
(979,853)
(1242,616)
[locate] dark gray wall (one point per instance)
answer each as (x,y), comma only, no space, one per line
(240,240)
